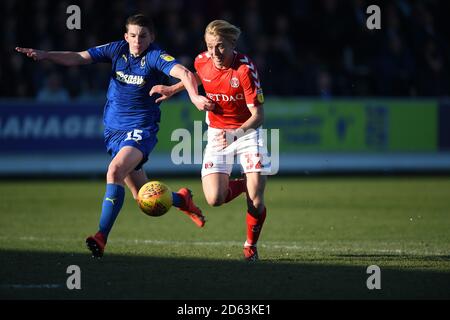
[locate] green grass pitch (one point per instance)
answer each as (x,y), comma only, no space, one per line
(320,236)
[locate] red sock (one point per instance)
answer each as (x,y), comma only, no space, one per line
(254,226)
(235,188)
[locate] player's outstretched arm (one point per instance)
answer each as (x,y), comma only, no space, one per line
(189,81)
(66,58)
(168,91)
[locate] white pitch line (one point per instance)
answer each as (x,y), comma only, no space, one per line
(290,246)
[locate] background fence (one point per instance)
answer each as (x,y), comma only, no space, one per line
(339,135)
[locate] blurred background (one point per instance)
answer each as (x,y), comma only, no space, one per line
(357,120)
(344,98)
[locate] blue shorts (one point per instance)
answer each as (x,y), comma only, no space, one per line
(143,139)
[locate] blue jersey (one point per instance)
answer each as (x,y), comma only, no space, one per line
(128,104)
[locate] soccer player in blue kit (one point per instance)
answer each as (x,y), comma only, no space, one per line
(131,115)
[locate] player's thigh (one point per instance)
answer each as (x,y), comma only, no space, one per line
(135,180)
(252,153)
(216,160)
(142,140)
(125,161)
(215,188)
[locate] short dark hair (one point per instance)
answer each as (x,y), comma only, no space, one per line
(140,20)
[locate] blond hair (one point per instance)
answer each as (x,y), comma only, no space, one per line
(223,29)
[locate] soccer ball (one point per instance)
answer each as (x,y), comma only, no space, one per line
(155,198)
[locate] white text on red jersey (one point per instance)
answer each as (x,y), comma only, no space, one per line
(224,97)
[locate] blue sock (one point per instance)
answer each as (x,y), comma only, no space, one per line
(177,200)
(112,203)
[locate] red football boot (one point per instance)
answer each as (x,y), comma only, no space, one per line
(250,253)
(190,208)
(96,244)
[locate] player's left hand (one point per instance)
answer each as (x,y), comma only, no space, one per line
(203,103)
(165,91)
(34,54)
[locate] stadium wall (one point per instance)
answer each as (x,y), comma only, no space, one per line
(325,136)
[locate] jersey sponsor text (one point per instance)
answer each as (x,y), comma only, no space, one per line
(129,78)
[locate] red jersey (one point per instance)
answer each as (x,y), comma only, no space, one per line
(233,90)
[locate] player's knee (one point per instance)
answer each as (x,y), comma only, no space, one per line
(215,200)
(255,206)
(115,173)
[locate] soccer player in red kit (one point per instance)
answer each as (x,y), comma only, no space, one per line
(230,79)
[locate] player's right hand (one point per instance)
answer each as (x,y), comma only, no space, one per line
(219,141)
(36,55)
